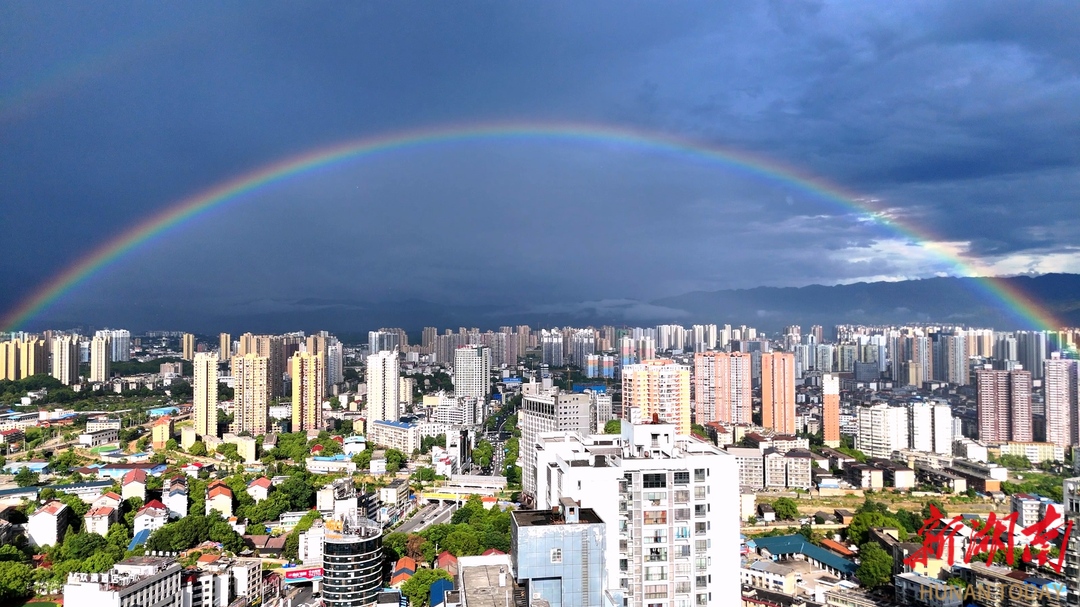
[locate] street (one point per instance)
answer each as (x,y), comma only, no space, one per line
(432,514)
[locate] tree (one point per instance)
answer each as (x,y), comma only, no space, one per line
(394,545)
(414,546)
(25,477)
(394,460)
(859,529)
(786,509)
(875,566)
(198,448)
(15,579)
(172,445)
(292,543)
(613,427)
(418,588)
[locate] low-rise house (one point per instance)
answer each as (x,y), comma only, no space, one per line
(259,489)
(150,517)
(48,524)
(134,484)
(175,495)
(219,497)
(98,520)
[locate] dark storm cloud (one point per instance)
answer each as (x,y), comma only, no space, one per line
(960,117)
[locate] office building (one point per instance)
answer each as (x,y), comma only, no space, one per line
(722,387)
(1004,405)
(548,412)
(100,358)
(65,359)
(559,554)
(830,409)
(472,372)
(352,562)
(671,532)
(187,345)
(660,388)
(382,382)
(204,400)
(224,347)
(143,581)
(1060,385)
(308,390)
(251,394)
(778,391)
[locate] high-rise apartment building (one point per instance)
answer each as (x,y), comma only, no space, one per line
(187,345)
(33,358)
(548,412)
(382,382)
(100,358)
(251,396)
(1004,405)
(308,387)
(119,343)
(778,391)
(882,430)
(385,340)
(9,360)
(661,388)
(830,410)
(65,359)
(224,347)
(670,529)
(472,372)
(205,394)
(722,387)
(1060,384)
(335,362)
(272,348)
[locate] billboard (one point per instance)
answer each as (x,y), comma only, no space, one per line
(303,575)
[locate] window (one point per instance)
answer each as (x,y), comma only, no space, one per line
(682,587)
(654,481)
(659,536)
(624,565)
(682,550)
(701,545)
(682,496)
(699,475)
(700,510)
(682,569)
(655,498)
(682,514)
(556,555)
(655,574)
(656,555)
(701,563)
(703,599)
(682,532)
(700,529)
(656,591)
(699,493)
(656,517)
(700,583)
(682,478)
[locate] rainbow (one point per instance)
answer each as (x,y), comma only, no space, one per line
(234,190)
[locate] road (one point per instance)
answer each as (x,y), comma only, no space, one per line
(432,514)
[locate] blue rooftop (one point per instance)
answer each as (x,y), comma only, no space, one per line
(797,544)
(356,438)
(139,539)
(439,588)
(340,457)
(401,425)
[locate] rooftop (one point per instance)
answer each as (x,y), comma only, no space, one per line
(797,544)
(541,518)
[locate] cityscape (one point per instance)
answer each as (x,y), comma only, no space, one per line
(540,304)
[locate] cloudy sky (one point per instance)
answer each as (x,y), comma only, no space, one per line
(957,119)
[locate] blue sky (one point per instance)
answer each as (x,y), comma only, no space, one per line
(958,117)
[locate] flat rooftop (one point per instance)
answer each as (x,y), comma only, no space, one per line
(540,518)
(480,586)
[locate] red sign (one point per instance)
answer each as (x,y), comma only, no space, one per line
(989,538)
(303,574)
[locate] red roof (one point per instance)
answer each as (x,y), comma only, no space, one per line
(262,481)
(837,547)
(400,578)
(54,508)
(209,558)
(221,490)
(163,420)
(405,562)
(491,551)
(155,504)
(445,558)
(111,495)
(135,476)
(317,448)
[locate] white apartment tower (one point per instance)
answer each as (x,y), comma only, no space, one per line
(383,382)
(1061,385)
(472,372)
(205,394)
(65,359)
(671,532)
(100,358)
(251,400)
(882,430)
(548,412)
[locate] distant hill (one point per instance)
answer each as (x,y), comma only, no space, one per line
(949,300)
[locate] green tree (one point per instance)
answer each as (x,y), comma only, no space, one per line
(859,530)
(26,478)
(786,509)
(292,543)
(9,552)
(15,579)
(613,427)
(394,545)
(875,566)
(198,448)
(172,445)
(418,588)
